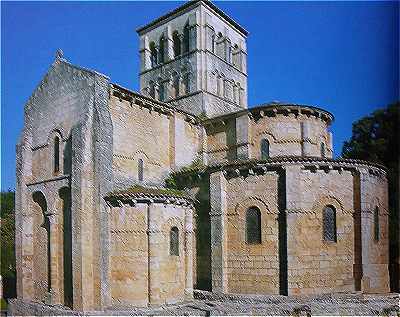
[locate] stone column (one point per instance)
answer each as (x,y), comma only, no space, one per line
(154,256)
(218,220)
(170,44)
(145,54)
(365,236)
(305,138)
(194,30)
(203,145)
(55,291)
(243,61)
(365,229)
(189,252)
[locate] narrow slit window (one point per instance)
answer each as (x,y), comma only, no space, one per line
(161,92)
(161,50)
(186,39)
(323,149)
(264,149)
(176,86)
(329,224)
(253,225)
(177,44)
(186,80)
(174,241)
(56,154)
(153,54)
(140,170)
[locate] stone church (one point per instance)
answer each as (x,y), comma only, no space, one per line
(136,198)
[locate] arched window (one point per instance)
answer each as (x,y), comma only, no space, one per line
(161,91)
(153,54)
(42,235)
(176,86)
(253,225)
(323,149)
(177,44)
(376,224)
(219,85)
(152,89)
(229,53)
(56,154)
(329,223)
(186,38)
(264,149)
(161,50)
(186,82)
(140,170)
(174,241)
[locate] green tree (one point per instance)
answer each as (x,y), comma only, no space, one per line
(7,203)
(375,138)
(7,232)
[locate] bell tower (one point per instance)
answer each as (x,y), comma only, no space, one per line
(194,58)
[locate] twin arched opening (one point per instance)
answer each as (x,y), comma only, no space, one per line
(52,226)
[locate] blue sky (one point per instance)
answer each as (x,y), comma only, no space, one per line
(341,56)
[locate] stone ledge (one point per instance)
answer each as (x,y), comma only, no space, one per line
(280,161)
(148,195)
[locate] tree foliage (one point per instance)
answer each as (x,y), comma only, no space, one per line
(375,138)
(7,203)
(7,231)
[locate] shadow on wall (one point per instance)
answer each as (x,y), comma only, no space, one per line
(203,237)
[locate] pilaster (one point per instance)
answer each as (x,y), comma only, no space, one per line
(218,220)
(189,253)
(155,238)
(169,44)
(243,137)
(306,146)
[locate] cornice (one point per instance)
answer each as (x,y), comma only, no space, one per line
(254,167)
(140,100)
(274,109)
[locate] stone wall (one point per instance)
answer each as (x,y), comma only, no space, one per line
(252,268)
(142,269)
(239,135)
(374,194)
(70,103)
(139,133)
(314,265)
(294,257)
(221,142)
(290,134)
(165,141)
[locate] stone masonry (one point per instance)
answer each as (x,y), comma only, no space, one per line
(126,200)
